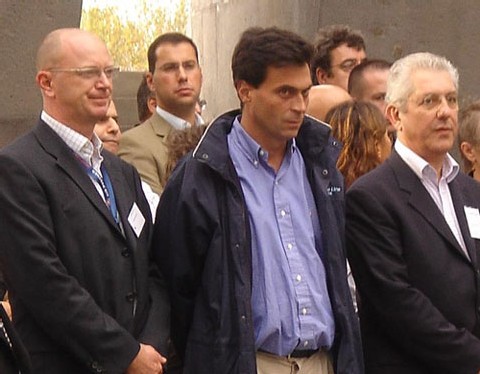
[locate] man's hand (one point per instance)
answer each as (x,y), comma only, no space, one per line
(8,308)
(147,361)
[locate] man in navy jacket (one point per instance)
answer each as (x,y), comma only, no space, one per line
(250,229)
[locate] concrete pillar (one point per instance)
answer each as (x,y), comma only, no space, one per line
(391,29)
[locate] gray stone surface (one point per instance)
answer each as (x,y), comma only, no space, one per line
(391,29)
(23,24)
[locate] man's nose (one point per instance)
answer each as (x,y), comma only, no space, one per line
(182,73)
(444,109)
(300,102)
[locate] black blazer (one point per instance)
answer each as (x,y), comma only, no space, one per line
(74,278)
(419,293)
(13,355)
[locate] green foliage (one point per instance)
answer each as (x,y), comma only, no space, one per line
(128,41)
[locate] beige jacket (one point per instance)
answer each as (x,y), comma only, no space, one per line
(144,147)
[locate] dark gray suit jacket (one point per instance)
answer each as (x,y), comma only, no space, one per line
(73,276)
(13,355)
(419,293)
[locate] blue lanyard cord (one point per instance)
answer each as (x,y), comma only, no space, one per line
(107,189)
(106,185)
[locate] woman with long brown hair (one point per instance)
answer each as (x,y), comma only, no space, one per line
(362,129)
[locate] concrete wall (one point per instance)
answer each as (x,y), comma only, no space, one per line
(391,28)
(23,24)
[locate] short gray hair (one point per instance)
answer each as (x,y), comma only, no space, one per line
(399,83)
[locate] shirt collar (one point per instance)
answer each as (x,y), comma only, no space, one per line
(422,168)
(88,150)
(177,122)
(250,147)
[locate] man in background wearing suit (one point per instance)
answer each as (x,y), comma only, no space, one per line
(413,234)
(75,227)
(175,76)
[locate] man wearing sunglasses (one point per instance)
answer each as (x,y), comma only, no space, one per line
(75,227)
(338,49)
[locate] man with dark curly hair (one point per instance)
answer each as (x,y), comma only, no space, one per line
(338,49)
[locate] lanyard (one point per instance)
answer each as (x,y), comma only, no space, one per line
(105,184)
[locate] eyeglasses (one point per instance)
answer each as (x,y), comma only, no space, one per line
(174,67)
(90,72)
(348,65)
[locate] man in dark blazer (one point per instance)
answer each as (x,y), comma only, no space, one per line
(413,234)
(75,228)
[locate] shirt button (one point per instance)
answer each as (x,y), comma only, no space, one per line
(282,213)
(298,278)
(304,311)
(305,343)
(325,172)
(289,246)
(261,153)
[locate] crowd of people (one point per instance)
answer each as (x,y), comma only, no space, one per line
(186,247)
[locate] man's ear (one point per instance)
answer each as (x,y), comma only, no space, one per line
(321,76)
(393,115)
(149,80)
(467,150)
(44,81)
(244,91)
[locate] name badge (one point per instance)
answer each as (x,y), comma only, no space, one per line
(473,221)
(136,219)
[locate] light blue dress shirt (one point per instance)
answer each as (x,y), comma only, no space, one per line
(290,302)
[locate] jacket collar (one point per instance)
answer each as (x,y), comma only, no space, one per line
(159,125)
(212,148)
(420,200)
(66,161)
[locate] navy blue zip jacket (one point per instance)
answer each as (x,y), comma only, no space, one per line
(202,244)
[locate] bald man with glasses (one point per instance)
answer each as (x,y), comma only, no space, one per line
(75,227)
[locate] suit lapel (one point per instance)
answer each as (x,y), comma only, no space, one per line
(159,125)
(421,201)
(66,161)
(124,203)
(459,203)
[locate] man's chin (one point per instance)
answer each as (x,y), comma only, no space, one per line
(110,146)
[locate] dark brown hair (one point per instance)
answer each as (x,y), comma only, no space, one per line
(260,48)
(170,38)
(179,143)
(329,38)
